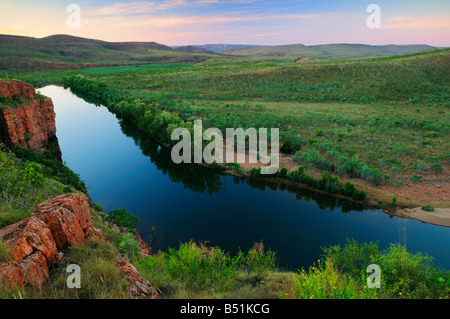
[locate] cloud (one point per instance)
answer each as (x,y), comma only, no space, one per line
(414,23)
(137,7)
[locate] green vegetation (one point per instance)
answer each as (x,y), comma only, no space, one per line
(122,219)
(364,105)
(404,275)
(51,165)
(4,252)
(28,178)
(26,54)
(197,271)
(428,208)
(344,123)
(201,271)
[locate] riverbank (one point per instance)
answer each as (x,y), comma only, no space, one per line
(440,216)
(377,197)
(390,195)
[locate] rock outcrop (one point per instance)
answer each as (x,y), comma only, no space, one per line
(68,219)
(26,119)
(35,242)
(35,245)
(139,287)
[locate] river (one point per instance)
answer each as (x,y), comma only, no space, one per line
(123,168)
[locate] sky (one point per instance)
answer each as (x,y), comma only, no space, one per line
(184,22)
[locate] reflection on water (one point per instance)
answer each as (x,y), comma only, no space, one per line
(193,177)
(123,168)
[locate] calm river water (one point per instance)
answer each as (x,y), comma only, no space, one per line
(124,169)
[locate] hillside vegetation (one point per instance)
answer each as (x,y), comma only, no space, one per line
(343,50)
(26,54)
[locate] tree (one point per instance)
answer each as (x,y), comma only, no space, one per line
(122,219)
(436,168)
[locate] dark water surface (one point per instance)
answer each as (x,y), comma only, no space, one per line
(125,169)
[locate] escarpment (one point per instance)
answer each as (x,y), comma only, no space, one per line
(27,119)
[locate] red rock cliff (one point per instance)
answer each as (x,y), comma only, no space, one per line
(30,123)
(35,244)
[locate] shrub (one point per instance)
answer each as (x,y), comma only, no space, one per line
(122,219)
(403,275)
(67,189)
(348,189)
(259,261)
(98,207)
(255,172)
(428,208)
(431,134)
(436,168)
(129,246)
(200,267)
(283,172)
(419,166)
(291,145)
(359,195)
(327,282)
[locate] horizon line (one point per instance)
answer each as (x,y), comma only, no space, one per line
(219,43)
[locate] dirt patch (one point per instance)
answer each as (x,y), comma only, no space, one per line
(440,216)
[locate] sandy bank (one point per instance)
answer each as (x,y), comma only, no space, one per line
(440,216)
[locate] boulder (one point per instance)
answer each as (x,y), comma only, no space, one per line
(68,218)
(139,287)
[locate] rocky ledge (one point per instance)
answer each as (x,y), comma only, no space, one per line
(26,118)
(37,243)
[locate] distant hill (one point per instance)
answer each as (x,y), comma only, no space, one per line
(26,54)
(222,47)
(195,49)
(329,50)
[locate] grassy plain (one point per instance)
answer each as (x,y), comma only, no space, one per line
(382,123)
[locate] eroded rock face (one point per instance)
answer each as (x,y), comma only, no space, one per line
(31,124)
(10,88)
(56,225)
(68,218)
(29,235)
(139,287)
(35,242)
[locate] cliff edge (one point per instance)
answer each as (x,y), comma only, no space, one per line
(27,119)
(36,244)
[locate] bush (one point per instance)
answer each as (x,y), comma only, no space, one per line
(436,168)
(283,172)
(348,189)
(98,207)
(327,282)
(291,145)
(200,267)
(359,195)
(259,262)
(67,190)
(428,208)
(129,246)
(403,275)
(255,172)
(122,219)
